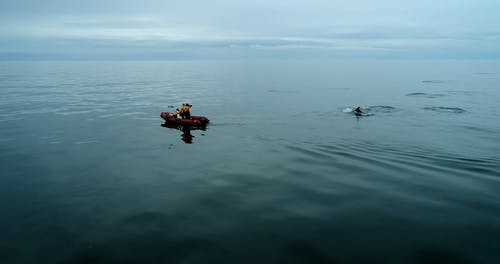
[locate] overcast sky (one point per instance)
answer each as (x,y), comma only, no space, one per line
(155,29)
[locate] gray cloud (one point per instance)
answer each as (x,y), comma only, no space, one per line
(246,28)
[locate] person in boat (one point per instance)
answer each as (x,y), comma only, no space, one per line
(176,112)
(358,110)
(185,111)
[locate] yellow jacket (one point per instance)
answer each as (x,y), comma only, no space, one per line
(185,108)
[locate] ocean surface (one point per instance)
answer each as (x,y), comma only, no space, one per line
(284,173)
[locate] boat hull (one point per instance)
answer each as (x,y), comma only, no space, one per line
(193,121)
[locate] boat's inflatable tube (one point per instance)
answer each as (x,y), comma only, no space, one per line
(193,121)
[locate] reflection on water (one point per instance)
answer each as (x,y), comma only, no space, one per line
(186,135)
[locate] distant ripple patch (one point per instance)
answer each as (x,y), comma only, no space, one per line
(369,165)
(435,81)
(280,91)
(381,109)
(442,109)
(425,95)
(339,88)
(90,141)
(485,73)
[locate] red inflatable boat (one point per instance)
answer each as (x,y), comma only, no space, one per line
(193,121)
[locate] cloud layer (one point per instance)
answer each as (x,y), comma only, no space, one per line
(155,29)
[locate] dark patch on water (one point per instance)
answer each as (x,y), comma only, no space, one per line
(145,217)
(339,88)
(443,109)
(485,73)
(425,95)
(280,91)
(93,255)
(149,247)
(8,254)
(435,81)
(429,255)
(303,252)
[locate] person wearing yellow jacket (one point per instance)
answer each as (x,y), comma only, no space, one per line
(185,111)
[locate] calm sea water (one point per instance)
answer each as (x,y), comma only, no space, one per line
(283,174)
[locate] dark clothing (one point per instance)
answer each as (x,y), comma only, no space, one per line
(186,115)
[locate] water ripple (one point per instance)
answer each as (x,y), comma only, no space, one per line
(368,158)
(425,95)
(381,109)
(435,81)
(455,110)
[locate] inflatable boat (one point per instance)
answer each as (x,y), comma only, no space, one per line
(197,121)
